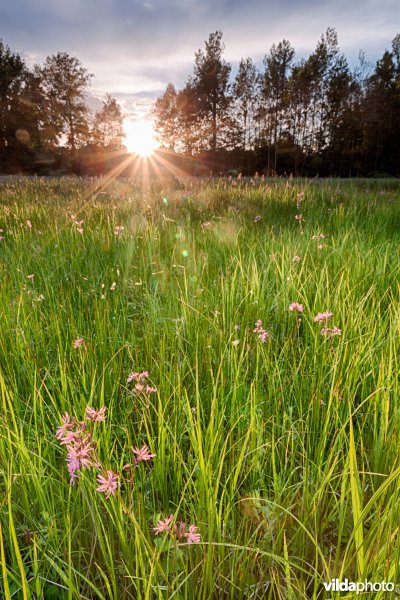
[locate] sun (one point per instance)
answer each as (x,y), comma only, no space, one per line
(139,137)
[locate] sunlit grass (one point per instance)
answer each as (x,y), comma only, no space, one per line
(284,454)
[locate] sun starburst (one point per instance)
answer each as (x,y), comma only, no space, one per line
(140,138)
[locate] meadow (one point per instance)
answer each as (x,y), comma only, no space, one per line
(199,388)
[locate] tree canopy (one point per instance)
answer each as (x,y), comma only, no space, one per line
(45,121)
(312,116)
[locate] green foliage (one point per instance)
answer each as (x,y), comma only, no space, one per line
(65,82)
(284,454)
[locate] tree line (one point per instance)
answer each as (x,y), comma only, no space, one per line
(45,123)
(316,116)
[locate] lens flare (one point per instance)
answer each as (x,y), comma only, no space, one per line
(139,137)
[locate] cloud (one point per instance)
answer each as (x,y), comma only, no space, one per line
(135,48)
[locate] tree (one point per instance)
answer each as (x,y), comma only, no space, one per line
(244,92)
(178,121)
(313,99)
(12,74)
(108,128)
(64,82)
(341,118)
(274,93)
(382,114)
(211,85)
(166,115)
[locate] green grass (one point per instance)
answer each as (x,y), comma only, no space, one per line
(284,454)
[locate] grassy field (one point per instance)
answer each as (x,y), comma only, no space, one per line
(276,444)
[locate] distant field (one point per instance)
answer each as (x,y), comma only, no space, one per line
(188,310)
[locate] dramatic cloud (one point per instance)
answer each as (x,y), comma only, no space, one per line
(135,48)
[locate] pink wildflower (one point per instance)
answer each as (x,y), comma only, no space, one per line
(67,423)
(322,316)
(263,334)
(78,225)
(96,415)
(68,438)
(257,218)
(163,525)
(296,258)
(180,530)
(192,536)
(28,224)
(82,451)
(150,390)
(73,467)
(80,456)
(296,307)
(142,454)
(118,229)
(258,326)
(78,343)
(139,377)
(108,485)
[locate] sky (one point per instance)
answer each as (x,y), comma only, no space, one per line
(134,48)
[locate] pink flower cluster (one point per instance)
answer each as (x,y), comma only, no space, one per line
(79,444)
(257,218)
(96,415)
(323,317)
(178,530)
(81,450)
(140,386)
(78,343)
(296,307)
(263,334)
(108,484)
(142,454)
(118,230)
(78,224)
